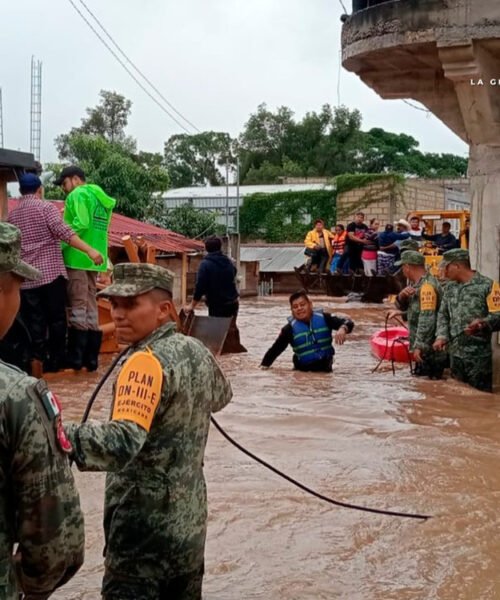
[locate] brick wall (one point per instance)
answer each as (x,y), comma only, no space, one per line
(416,194)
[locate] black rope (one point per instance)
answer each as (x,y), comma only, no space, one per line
(260,460)
(309,490)
(402,341)
(386,327)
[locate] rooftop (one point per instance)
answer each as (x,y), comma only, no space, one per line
(245,190)
(12,159)
(274,258)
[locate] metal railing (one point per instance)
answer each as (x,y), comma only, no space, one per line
(358,5)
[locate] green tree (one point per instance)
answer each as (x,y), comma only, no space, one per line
(324,143)
(190,221)
(107,120)
(382,151)
(198,159)
(331,142)
(265,138)
(136,181)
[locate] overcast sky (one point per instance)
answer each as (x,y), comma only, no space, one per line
(214,60)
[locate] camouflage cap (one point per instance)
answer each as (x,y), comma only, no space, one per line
(10,254)
(410,257)
(134,279)
(455,255)
(409,244)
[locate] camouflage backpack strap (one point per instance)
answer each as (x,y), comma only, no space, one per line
(138,389)
(49,409)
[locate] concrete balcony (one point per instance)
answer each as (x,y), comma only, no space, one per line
(442,53)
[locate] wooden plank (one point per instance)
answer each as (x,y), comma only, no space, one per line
(184,278)
(3,198)
(151,254)
(131,249)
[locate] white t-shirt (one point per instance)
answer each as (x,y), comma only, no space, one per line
(416,234)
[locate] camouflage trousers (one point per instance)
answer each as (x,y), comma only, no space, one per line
(433,365)
(185,587)
(475,370)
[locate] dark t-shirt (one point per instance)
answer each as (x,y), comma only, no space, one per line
(359,231)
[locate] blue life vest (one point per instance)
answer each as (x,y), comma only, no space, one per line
(311,341)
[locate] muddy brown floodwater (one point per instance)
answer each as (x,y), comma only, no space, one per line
(373,439)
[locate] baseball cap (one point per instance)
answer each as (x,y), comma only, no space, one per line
(455,255)
(410,257)
(29,182)
(10,254)
(402,222)
(70,171)
(134,279)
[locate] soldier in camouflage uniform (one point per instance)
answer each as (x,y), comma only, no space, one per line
(155,508)
(408,244)
(39,505)
(419,304)
(468,296)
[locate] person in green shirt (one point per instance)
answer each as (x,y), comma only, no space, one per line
(87,211)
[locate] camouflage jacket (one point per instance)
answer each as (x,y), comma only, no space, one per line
(462,303)
(155,506)
(39,504)
(421,311)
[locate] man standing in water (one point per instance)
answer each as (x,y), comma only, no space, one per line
(419,304)
(309,332)
(216,280)
(469,296)
(40,515)
(155,510)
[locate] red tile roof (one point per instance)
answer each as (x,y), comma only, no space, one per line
(163,239)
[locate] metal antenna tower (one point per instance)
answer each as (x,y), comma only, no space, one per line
(36,107)
(1,120)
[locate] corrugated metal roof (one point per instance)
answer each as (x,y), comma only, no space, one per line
(274,259)
(164,239)
(219,191)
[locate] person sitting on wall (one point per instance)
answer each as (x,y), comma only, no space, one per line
(318,246)
(216,280)
(309,332)
(338,243)
(388,246)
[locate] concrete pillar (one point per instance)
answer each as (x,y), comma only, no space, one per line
(484,172)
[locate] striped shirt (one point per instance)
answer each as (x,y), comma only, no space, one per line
(42,231)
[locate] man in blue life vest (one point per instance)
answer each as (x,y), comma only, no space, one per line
(309,332)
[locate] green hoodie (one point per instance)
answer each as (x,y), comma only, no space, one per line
(87,211)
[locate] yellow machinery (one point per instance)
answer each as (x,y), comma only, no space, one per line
(431,219)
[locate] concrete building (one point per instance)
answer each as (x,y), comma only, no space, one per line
(446,55)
